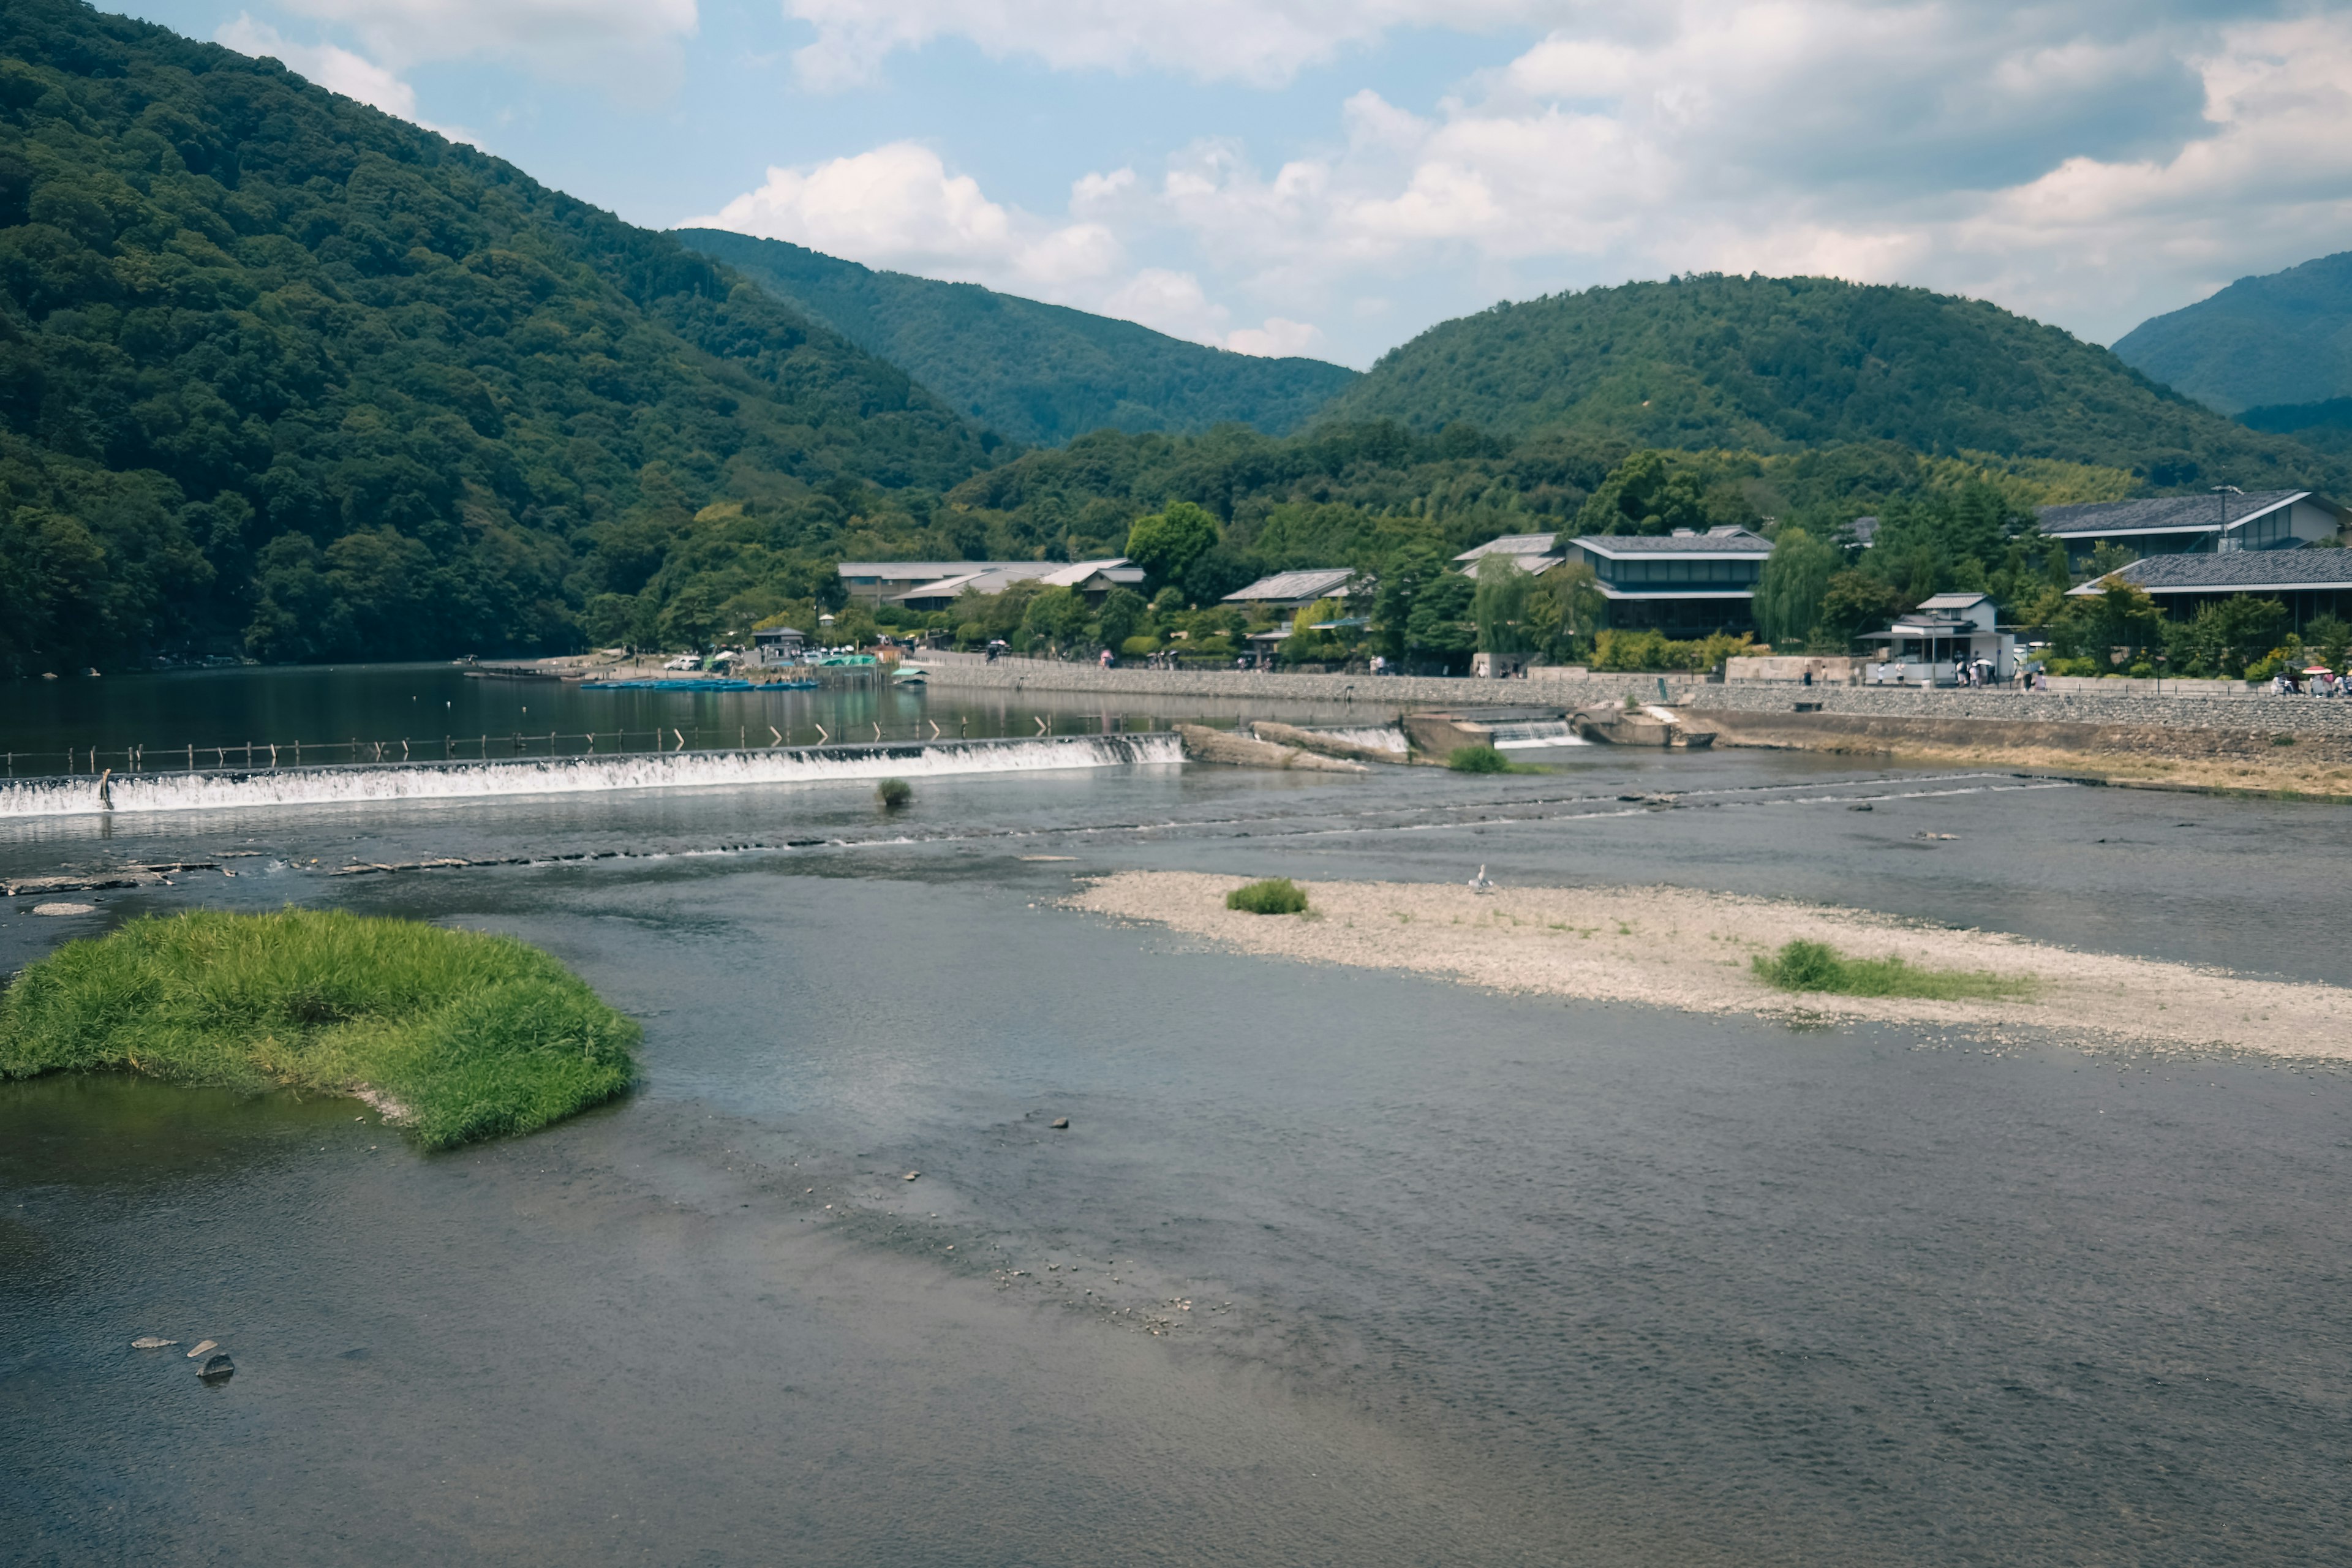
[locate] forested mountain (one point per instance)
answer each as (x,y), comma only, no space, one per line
(1036,374)
(2285,338)
(1773,365)
(279,370)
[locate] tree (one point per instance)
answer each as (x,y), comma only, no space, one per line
(1854,602)
(1166,543)
(1645,494)
(1057,615)
(1796,580)
(1123,611)
(1439,624)
(1498,606)
(2119,620)
(1571,609)
(2225,636)
(1411,569)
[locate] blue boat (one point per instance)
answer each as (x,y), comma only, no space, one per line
(668,686)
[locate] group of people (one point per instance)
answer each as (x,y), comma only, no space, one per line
(2322,682)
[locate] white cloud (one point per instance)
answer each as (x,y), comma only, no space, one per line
(2083,173)
(898,207)
(632,48)
(336,70)
(1264,42)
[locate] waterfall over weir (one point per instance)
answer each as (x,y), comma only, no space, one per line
(227,789)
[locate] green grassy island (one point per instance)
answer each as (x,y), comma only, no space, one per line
(459,1034)
(1817,966)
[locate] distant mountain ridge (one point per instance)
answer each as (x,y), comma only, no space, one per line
(278,368)
(2281,339)
(1033,373)
(1772,364)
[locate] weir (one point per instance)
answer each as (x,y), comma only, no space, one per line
(348,782)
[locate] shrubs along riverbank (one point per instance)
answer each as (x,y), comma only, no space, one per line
(459,1034)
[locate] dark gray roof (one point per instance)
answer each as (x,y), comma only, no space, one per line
(2158,513)
(1729,541)
(2238,570)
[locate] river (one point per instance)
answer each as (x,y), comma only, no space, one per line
(1328,1265)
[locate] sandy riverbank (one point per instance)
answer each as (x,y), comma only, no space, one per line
(1678,947)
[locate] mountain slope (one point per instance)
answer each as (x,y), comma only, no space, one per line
(1038,374)
(2285,338)
(278,365)
(1775,364)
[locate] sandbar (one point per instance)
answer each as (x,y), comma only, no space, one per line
(1691,949)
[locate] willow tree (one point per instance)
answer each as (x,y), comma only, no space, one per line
(1796,580)
(1499,605)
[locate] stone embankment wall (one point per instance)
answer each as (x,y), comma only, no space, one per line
(1755,713)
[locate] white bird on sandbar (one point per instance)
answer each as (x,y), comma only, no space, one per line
(1482,883)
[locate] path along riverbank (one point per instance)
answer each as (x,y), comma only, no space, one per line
(2267,744)
(1691,949)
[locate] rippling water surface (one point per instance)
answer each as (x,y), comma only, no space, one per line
(1328,1267)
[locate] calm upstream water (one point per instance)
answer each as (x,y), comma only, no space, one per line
(1329,1267)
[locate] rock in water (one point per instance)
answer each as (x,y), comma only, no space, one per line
(1061,1123)
(218,1369)
(202,1346)
(149,1342)
(912,1175)
(64,908)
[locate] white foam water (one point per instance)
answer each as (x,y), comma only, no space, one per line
(233,789)
(1385,738)
(1523,737)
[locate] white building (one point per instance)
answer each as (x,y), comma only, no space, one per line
(1925,647)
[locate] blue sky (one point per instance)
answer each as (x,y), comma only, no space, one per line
(1332,176)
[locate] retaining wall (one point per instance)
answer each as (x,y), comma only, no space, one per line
(2131,709)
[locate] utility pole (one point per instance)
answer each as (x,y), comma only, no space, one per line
(2222,541)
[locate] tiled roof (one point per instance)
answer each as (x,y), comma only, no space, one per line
(993,580)
(1513,545)
(2160,513)
(1726,542)
(2237,570)
(921,571)
(1114,567)
(1302,585)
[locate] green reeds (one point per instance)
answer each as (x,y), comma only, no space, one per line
(1484,759)
(475,1035)
(1817,966)
(1274,896)
(894,794)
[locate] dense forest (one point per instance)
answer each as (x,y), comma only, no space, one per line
(1034,373)
(281,373)
(1397,505)
(1769,364)
(2281,339)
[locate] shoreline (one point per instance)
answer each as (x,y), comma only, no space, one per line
(1690,950)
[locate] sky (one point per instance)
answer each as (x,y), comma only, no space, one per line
(1331,177)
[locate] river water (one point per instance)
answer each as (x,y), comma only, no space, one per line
(1328,1267)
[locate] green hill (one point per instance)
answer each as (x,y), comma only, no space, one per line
(1772,364)
(2283,339)
(279,369)
(1037,373)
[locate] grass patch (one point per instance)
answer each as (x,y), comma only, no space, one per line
(1484,759)
(476,1035)
(1274,896)
(894,794)
(1817,966)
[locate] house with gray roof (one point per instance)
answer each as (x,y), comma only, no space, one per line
(1295,590)
(2310,583)
(1685,583)
(2213,525)
(1528,552)
(875,581)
